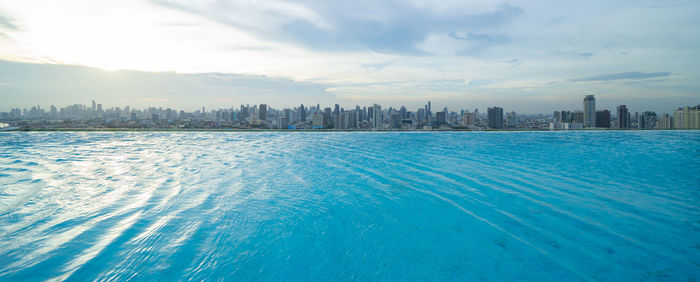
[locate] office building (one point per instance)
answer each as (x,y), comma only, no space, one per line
(602,119)
(395,119)
(665,121)
(440,118)
(283,122)
(317,120)
(511,119)
(577,117)
(377,116)
(647,120)
(494,117)
(468,119)
(687,117)
(589,111)
(623,117)
(262,111)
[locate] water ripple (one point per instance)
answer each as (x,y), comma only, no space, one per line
(350,206)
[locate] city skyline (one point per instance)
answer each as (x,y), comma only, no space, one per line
(531,54)
(263,116)
(59,77)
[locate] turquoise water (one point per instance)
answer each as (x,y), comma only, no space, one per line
(350,206)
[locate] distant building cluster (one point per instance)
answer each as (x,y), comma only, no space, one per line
(683,118)
(373,117)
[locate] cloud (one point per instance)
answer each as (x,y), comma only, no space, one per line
(624,76)
(68,84)
(309,50)
(475,36)
(152,99)
(6,22)
(377,66)
(379,26)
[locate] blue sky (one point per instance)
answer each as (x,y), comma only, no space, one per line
(527,56)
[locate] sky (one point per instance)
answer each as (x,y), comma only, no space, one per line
(525,56)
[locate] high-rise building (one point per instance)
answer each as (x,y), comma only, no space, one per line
(377,116)
(317,120)
(428,115)
(664,122)
(339,121)
(302,113)
(623,117)
(289,114)
(440,118)
(395,120)
(511,119)
(327,117)
(283,122)
(687,117)
(262,111)
(94,106)
(370,114)
(351,119)
(602,119)
(577,117)
(589,111)
(468,119)
(243,113)
(647,120)
(565,116)
(495,117)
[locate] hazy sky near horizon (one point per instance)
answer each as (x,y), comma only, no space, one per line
(527,56)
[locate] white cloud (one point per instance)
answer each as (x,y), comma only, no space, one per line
(549,40)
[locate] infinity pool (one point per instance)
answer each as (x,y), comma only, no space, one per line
(600,205)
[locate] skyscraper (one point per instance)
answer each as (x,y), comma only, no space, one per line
(283,123)
(289,114)
(511,119)
(687,117)
(468,119)
(263,112)
(589,111)
(623,117)
(495,117)
(647,120)
(377,116)
(602,119)
(565,116)
(440,118)
(317,120)
(577,117)
(665,122)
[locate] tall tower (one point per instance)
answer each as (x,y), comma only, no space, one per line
(623,117)
(377,116)
(589,111)
(263,112)
(495,117)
